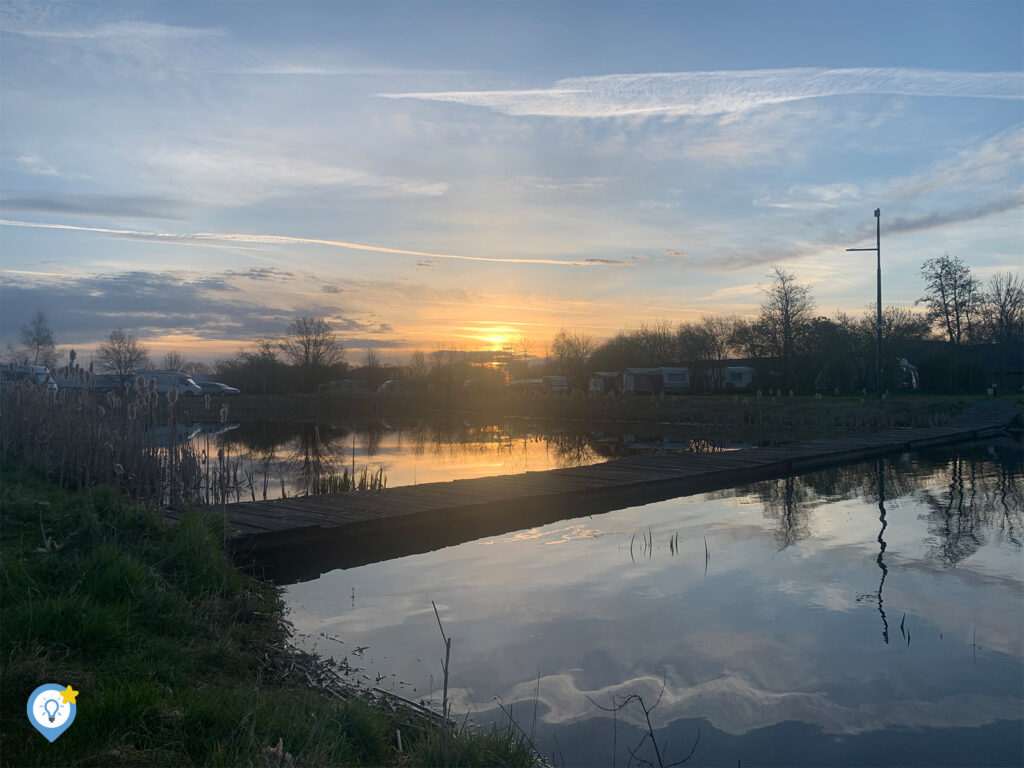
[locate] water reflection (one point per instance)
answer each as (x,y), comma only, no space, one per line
(771,653)
(288,459)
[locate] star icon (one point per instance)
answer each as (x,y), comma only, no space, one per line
(68,695)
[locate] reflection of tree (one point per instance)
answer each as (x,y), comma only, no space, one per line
(788,501)
(312,458)
(370,437)
(975,502)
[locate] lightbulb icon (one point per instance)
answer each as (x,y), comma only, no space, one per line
(51,709)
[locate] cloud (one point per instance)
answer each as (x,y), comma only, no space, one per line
(252,173)
(39,167)
(126,30)
(264,273)
(124,206)
(607,262)
(209,307)
(724,92)
(957,215)
(550,184)
(200,238)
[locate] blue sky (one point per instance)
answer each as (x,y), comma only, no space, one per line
(455,174)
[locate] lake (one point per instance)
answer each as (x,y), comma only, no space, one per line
(809,620)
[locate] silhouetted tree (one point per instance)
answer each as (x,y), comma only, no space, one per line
(1003,309)
(173,361)
(952,298)
(705,345)
(122,354)
(37,338)
(573,351)
(312,346)
(786,314)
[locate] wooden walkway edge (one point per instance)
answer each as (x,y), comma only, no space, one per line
(409,519)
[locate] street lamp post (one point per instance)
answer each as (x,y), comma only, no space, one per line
(878,250)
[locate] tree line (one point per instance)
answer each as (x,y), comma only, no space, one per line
(791,345)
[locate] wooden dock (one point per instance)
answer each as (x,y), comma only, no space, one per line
(352,527)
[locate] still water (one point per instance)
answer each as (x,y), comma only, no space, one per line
(274,459)
(803,621)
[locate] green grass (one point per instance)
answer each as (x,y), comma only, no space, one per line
(165,638)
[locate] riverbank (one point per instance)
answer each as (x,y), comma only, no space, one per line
(782,417)
(180,659)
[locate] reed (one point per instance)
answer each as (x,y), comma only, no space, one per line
(138,442)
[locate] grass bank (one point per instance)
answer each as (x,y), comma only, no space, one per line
(179,658)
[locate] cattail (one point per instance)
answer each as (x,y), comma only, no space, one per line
(207,399)
(132,412)
(152,384)
(118,469)
(172,396)
(224,413)
(101,411)
(140,383)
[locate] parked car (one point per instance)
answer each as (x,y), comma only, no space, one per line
(218,389)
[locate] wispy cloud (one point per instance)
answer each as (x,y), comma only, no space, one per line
(958,214)
(202,237)
(37,166)
(724,92)
(253,172)
(93,205)
(129,30)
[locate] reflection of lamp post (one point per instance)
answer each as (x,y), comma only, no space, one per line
(878,250)
(881,550)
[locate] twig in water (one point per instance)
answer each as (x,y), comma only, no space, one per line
(444,701)
(633,752)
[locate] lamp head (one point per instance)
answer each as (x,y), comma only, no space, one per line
(878,212)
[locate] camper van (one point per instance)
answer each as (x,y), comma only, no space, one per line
(37,374)
(168,380)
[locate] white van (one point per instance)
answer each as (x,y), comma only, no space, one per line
(168,380)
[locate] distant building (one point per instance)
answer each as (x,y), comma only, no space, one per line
(603,382)
(653,381)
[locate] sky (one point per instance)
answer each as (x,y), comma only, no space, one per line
(465,175)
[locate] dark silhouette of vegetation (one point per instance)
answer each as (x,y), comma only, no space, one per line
(122,354)
(952,298)
(37,338)
(313,347)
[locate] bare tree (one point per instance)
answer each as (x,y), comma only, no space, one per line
(173,361)
(371,362)
(196,368)
(705,345)
(37,338)
(573,351)
(418,367)
(1003,311)
(311,345)
(952,298)
(786,313)
(122,354)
